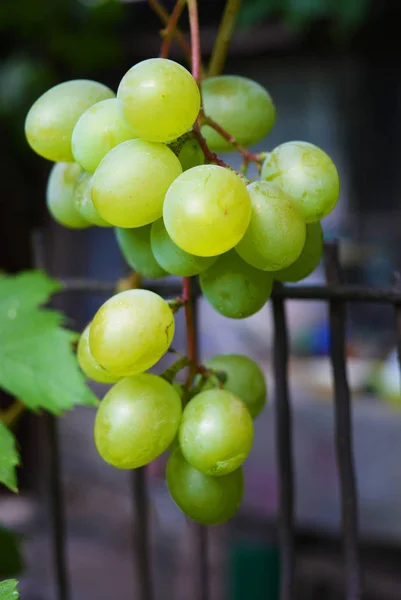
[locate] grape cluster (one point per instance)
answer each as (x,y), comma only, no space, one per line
(135,161)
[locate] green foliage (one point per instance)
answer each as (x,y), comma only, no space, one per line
(9,459)
(11,562)
(8,590)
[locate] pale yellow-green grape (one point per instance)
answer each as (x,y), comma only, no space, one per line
(309,258)
(131,332)
(160,99)
(137,420)
(240,106)
(129,185)
(277,230)
(207,210)
(191,155)
(97,131)
(50,121)
(88,364)
(83,201)
(60,195)
(206,499)
(136,249)
(216,432)
(306,173)
(172,258)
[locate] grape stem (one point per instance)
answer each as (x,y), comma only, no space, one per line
(223,38)
(190,330)
(195,40)
(164,16)
(11,415)
(170,30)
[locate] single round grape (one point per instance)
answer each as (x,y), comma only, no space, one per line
(276,233)
(131,332)
(172,258)
(206,499)
(60,195)
(245,379)
(234,288)
(50,121)
(241,106)
(136,249)
(216,432)
(207,210)
(88,364)
(83,201)
(191,155)
(160,99)
(130,184)
(97,131)
(309,258)
(307,174)
(137,421)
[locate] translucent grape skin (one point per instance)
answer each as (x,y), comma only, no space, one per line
(129,185)
(216,432)
(277,231)
(245,379)
(98,130)
(203,498)
(137,421)
(172,258)
(88,364)
(136,249)
(131,332)
(60,195)
(234,288)
(307,174)
(309,258)
(51,119)
(241,106)
(207,210)
(160,99)
(83,201)
(191,155)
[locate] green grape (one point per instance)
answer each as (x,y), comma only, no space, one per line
(276,233)
(88,364)
(130,184)
(245,379)
(241,106)
(207,210)
(234,288)
(160,99)
(83,201)
(216,432)
(191,155)
(60,195)
(206,499)
(50,121)
(309,258)
(97,131)
(131,332)
(172,258)
(307,174)
(136,249)
(137,421)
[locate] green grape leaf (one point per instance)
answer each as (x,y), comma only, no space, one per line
(37,364)
(11,561)
(9,458)
(8,590)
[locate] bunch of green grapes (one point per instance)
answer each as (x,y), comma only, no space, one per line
(134,161)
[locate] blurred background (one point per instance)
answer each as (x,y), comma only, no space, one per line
(333,70)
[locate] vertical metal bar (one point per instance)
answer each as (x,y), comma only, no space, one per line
(397,313)
(343,429)
(284,452)
(142,542)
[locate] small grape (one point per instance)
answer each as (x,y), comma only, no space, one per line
(50,121)
(307,174)
(98,130)
(276,234)
(235,288)
(60,195)
(309,258)
(191,155)
(137,421)
(216,432)
(83,201)
(160,99)
(239,105)
(136,249)
(207,210)
(172,258)
(88,364)
(131,332)
(130,184)
(206,499)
